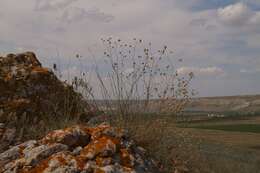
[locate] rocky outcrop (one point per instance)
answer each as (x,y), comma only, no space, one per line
(100,149)
(31,93)
(32,97)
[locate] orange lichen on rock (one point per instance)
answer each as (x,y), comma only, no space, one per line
(37,69)
(95,132)
(104,152)
(39,168)
(8,77)
(104,146)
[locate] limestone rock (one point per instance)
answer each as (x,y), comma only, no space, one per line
(78,149)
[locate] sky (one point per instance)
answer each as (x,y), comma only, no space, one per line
(217,39)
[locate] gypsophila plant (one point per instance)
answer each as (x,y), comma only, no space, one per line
(141,79)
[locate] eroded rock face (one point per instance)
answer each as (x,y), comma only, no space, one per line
(78,149)
(30,92)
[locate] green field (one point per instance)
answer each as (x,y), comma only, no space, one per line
(251,128)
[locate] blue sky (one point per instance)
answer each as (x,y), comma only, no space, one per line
(212,4)
(218,39)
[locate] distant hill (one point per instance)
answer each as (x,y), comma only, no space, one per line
(245,103)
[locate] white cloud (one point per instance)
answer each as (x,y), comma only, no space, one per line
(238,14)
(205,71)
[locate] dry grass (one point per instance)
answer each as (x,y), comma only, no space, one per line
(172,147)
(195,150)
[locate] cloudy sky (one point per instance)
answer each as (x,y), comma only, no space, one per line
(219,40)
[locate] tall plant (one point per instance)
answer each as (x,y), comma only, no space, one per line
(141,79)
